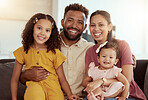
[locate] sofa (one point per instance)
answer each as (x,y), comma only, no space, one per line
(6,69)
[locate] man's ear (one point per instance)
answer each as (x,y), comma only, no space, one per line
(85,26)
(62,22)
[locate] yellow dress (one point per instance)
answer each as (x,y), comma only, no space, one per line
(48,89)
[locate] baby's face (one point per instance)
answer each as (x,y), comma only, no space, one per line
(107,58)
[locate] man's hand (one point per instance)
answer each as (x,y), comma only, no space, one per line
(35,74)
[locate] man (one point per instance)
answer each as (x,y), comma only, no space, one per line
(73,47)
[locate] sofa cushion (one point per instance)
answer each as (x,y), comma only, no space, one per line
(6,70)
(146,83)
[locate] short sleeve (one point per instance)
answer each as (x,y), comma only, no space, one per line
(19,55)
(59,59)
(116,71)
(125,53)
(91,68)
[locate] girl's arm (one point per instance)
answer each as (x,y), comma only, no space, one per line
(15,79)
(123,79)
(64,83)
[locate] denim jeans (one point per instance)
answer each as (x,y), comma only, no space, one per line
(117,99)
(113,99)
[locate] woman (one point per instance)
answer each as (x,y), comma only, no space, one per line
(101,31)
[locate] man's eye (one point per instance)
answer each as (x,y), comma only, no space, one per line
(80,23)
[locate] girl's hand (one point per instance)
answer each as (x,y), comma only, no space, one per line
(73,97)
(120,98)
(93,85)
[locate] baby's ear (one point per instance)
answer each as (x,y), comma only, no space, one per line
(116,61)
(98,58)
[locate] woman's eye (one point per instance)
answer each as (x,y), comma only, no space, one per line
(92,25)
(100,24)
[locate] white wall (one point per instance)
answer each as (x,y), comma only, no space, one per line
(129,17)
(13,16)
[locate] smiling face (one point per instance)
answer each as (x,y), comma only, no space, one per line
(107,58)
(73,24)
(99,28)
(42,31)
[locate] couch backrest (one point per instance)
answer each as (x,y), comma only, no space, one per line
(6,69)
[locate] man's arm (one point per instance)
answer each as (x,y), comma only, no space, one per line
(35,74)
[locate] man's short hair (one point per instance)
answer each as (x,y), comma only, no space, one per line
(77,7)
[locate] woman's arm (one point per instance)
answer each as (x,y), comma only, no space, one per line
(15,79)
(127,71)
(123,79)
(64,84)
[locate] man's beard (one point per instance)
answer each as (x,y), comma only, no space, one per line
(70,37)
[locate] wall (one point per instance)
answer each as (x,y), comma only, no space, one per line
(129,17)
(13,17)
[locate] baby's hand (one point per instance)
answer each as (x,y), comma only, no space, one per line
(92,86)
(74,97)
(121,98)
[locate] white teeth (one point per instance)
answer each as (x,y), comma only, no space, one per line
(41,38)
(72,31)
(97,34)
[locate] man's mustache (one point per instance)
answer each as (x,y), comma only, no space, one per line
(73,28)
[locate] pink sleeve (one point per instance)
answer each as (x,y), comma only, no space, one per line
(91,68)
(116,71)
(125,53)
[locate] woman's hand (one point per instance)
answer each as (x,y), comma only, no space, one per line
(93,85)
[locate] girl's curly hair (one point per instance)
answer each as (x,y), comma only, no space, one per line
(54,42)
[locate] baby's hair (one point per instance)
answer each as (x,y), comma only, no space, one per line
(54,42)
(113,44)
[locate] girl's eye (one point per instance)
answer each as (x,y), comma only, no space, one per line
(111,57)
(47,30)
(103,56)
(39,28)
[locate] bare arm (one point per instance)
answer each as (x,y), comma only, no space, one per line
(123,79)
(127,71)
(15,79)
(35,74)
(64,84)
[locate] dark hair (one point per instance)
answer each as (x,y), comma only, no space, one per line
(76,7)
(54,42)
(111,44)
(106,15)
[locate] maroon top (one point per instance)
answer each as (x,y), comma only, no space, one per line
(125,58)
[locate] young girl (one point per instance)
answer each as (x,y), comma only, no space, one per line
(108,54)
(41,44)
